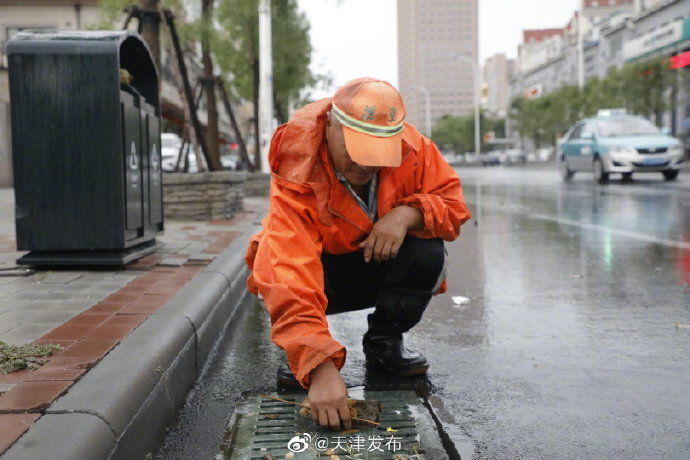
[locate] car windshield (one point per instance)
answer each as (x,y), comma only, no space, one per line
(626,127)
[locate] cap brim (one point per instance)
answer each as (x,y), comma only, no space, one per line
(368,150)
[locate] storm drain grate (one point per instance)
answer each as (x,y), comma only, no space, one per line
(261,427)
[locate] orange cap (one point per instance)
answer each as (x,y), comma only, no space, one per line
(371,112)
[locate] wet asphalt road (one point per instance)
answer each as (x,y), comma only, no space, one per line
(570,346)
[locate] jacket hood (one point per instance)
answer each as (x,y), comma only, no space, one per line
(296,158)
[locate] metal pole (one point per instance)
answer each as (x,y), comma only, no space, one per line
(580,49)
(265,82)
(427,110)
(477,122)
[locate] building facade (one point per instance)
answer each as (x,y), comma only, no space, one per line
(539,46)
(437,55)
(496,73)
(636,30)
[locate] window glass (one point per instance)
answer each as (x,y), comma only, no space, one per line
(576,132)
(626,127)
(588,127)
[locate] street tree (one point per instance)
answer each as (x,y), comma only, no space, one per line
(457,133)
(647,88)
(237,50)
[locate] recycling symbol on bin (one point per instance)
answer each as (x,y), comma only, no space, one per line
(154,159)
(133,159)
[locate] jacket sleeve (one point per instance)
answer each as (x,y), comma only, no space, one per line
(438,196)
(288,273)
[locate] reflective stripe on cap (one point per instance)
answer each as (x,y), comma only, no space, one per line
(366,128)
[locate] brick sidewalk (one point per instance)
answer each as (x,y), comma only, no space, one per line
(89,312)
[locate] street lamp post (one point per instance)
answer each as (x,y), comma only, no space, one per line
(477,123)
(265,83)
(580,49)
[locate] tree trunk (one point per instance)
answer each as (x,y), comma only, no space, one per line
(254,62)
(189,97)
(209,82)
(257,139)
(235,126)
(279,112)
(149,28)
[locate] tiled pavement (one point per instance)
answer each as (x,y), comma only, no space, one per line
(89,312)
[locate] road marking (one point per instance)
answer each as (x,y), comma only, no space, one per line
(599,228)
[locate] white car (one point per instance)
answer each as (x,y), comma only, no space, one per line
(170,149)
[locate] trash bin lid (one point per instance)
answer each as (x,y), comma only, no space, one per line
(129,52)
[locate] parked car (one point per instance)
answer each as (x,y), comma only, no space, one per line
(614,142)
(492,158)
(230,162)
(513,156)
(170,149)
(544,154)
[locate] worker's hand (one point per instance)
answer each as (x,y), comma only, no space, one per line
(388,233)
(328,397)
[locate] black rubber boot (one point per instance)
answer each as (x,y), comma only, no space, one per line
(286,377)
(397,311)
(390,353)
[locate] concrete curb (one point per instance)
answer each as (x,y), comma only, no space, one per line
(121,407)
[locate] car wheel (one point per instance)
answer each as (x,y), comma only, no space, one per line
(566,173)
(600,175)
(627,177)
(671,174)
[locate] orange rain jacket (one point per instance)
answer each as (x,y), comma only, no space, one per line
(312,212)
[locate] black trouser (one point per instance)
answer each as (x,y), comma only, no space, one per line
(399,288)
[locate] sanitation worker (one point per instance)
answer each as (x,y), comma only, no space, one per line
(360,205)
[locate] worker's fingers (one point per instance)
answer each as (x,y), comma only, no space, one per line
(369,248)
(394,249)
(314,414)
(386,251)
(378,247)
(323,417)
(345,417)
(333,419)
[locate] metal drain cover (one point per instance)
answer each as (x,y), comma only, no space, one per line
(263,428)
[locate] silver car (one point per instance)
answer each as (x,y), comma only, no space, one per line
(619,144)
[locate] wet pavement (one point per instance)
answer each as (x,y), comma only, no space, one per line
(574,344)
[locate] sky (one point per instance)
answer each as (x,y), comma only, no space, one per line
(356,38)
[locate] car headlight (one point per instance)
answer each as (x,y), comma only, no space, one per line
(621,150)
(675,150)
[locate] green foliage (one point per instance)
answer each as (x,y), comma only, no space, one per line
(237,50)
(18,357)
(641,87)
(237,43)
(234,39)
(112,13)
(457,133)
